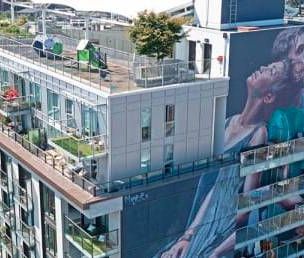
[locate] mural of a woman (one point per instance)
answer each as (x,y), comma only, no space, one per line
(211,232)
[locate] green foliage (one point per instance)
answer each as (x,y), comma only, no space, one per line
(12,29)
(155,35)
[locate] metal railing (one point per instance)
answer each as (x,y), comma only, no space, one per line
(121,77)
(271,152)
(22,196)
(7,212)
(27,232)
(293,249)
(3,180)
(269,227)
(99,244)
(17,104)
(8,245)
(49,160)
(271,193)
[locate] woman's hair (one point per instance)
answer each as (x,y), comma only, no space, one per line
(284,42)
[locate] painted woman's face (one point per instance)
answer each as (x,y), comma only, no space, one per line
(267,77)
(296,56)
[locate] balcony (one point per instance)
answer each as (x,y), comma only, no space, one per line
(27,233)
(92,244)
(291,249)
(270,194)
(270,227)
(272,156)
(80,148)
(4,181)
(8,246)
(7,213)
(23,197)
(14,105)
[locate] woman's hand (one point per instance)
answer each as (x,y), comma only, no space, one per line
(178,250)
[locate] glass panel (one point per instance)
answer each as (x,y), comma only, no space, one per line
(145,160)
(53,104)
(170,123)
(168,153)
(146,124)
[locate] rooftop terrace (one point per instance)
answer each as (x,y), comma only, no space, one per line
(125,71)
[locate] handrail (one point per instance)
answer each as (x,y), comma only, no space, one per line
(271,152)
(157,176)
(48,159)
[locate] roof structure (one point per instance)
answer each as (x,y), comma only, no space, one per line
(128,8)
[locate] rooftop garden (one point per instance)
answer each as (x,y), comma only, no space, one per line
(78,147)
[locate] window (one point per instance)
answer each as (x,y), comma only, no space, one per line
(145,160)
(89,121)
(50,240)
(48,202)
(170,120)
(53,104)
(35,95)
(146,124)
(168,153)
(19,83)
(168,158)
(3,77)
(69,109)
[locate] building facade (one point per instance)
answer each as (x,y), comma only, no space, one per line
(198,157)
(75,141)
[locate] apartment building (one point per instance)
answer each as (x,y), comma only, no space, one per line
(78,141)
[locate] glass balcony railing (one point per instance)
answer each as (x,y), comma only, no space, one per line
(291,249)
(270,227)
(97,245)
(164,174)
(7,212)
(51,159)
(271,193)
(23,197)
(13,105)
(27,233)
(272,152)
(3,180)
(8,246)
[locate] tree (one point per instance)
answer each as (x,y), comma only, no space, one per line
(155,35)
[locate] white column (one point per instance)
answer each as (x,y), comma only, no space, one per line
(114,223)
(37,214)
(59,226)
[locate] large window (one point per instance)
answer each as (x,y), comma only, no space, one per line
(168,153)
(89,121)
(48,203)
(69,109)
(35,95)
(53,105)
(146,124)
(170,120)
(19,83)
(3,77)
(168,158)
(50,240)
(145,160)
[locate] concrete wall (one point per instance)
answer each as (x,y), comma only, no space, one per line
(194,124)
